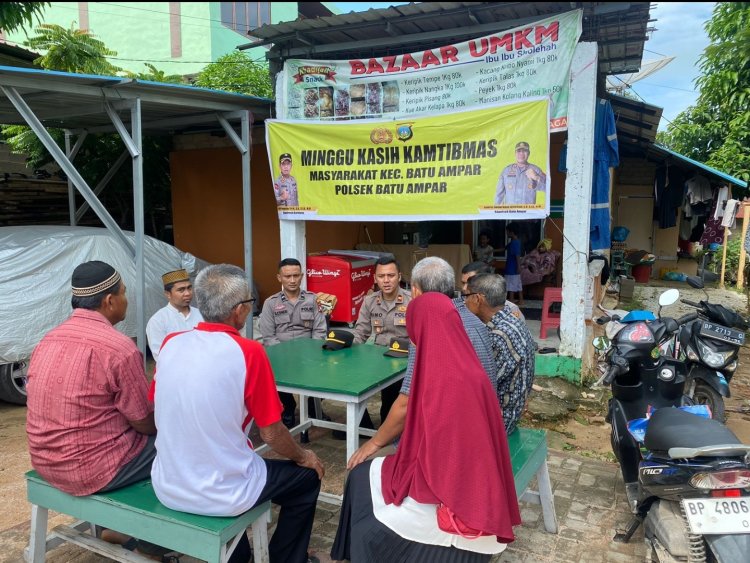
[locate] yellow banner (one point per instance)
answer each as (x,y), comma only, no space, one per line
(475,164)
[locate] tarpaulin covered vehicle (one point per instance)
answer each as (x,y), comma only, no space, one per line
(36,264)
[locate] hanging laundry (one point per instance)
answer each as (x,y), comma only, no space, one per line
(698,189)
(606,155)
(713,231)
(730,213)
(689,220)
(721,199)
(669,191)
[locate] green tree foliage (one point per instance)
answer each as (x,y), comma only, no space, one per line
(237,72)
(155,75)
(71,50)
(716,130)
(17,14)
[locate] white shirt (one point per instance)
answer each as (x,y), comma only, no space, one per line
(166,321)
(211,384)
(417,522)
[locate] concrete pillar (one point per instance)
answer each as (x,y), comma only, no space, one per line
(580,163)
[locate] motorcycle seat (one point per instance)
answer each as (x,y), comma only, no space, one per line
(674,428)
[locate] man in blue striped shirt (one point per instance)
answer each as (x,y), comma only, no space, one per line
(429,274)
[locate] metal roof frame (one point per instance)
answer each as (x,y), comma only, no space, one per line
(82,104)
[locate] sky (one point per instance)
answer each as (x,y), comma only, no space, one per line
(679,32)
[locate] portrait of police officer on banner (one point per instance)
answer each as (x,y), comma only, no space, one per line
(520,182)
(285,185)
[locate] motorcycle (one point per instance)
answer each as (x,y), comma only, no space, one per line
(710,345)
(687,478)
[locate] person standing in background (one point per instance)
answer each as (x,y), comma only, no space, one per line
(484,252)
(513,265)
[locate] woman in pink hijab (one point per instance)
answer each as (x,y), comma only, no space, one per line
(453,452)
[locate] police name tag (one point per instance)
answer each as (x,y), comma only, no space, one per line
(727,515)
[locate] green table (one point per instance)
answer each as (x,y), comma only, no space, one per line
(351,375)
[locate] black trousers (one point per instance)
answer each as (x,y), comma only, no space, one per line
(137,469)
(287,400)
(388,395)
(295,489)
(290,404)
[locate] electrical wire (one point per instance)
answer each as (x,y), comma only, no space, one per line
(584,255)
(260,60)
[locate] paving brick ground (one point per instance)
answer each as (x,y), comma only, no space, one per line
(589,500)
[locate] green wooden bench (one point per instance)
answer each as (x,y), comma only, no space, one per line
(135,511)
(528,454)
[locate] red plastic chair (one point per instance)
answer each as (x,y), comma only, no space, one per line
(550,319)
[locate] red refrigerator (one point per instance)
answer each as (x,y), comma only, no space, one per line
(349,278)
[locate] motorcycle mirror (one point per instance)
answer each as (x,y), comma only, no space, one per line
(600,342)
(669,297)
(695,282)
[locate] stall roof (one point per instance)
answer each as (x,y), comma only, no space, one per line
(686,162)
(637,124)
(76,101)
(620,29)
(17,56)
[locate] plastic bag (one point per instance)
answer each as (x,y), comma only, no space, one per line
(637,427)
(449,522)
(619,234)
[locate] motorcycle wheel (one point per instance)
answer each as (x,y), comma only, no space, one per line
(704,394)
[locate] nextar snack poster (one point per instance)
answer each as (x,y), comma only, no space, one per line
(510,66)
(490,163)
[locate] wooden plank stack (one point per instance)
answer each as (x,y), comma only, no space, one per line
(32,201)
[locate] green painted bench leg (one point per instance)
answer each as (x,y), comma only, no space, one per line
(37,551)
(546,498)
(260,538)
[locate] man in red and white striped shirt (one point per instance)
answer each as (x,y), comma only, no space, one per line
(89,422)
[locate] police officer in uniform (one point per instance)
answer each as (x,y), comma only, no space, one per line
(285,185)
(519,182)
(289,314)
(383,315)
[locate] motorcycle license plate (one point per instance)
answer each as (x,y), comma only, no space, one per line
(728,515)
(719,332)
